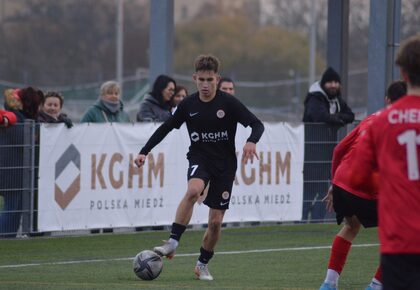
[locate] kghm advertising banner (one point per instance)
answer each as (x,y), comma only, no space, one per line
(88,179)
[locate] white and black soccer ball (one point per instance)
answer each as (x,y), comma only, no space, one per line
(147,265)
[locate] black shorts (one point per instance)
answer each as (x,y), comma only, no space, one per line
(347,205)
(220,174)
(400,271)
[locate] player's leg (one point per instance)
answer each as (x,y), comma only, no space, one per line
(197,179)
(344,206)
(185,207)
(214,229)
(376,283)
(210,239)
(339,251)
(368,216)
(218,199)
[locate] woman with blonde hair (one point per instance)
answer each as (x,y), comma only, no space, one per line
(109,107)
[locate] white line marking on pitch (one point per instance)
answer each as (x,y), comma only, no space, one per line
(184,255)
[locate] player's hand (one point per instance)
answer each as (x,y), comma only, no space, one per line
(250,150)
(139,161)
(329,200)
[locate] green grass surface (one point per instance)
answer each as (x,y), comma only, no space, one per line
(288,259)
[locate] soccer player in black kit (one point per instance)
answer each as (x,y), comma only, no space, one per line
(211,117)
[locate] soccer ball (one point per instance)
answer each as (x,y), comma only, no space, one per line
(147,265)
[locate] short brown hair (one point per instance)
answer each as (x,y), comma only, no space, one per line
(206,63)
(54,95)
(408,59)
(396,90)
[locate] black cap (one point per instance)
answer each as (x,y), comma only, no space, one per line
(329,75)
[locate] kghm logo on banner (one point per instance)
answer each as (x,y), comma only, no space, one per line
(67,168)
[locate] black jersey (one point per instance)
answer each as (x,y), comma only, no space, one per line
(211,125)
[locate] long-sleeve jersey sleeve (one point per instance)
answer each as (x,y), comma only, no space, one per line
(257,131)
(156,137)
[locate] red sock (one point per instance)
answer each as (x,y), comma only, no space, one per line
(340,249)
(378,274)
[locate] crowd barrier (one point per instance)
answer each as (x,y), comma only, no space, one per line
(56,179)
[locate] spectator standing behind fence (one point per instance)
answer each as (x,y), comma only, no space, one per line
(180,94)
(156,105)
(323,102)
(355,206)
(24,104)
(109,107)
(51,110)
(226,85)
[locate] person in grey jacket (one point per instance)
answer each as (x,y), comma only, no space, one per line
(156,105)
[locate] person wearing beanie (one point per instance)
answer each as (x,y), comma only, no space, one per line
(323,103)
(325,112)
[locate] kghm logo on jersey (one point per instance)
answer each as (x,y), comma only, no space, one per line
(195,137)
(209,136)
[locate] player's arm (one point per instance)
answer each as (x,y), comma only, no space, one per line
(342,148)
(250,148)
(155,139)
(364,163)
(174,121)
(247,118)
(328,198)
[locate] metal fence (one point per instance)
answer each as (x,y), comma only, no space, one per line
(320,140)
(17,179)
(19,166)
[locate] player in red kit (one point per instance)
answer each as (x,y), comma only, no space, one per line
(391,145)
(355,206)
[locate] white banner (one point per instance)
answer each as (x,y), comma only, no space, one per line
(87,178)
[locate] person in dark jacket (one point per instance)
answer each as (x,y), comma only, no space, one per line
(24,104)
(109,107)
(156,106)
(323,103)
(51,110)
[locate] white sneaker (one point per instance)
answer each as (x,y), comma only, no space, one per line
(202,272)
(167,250)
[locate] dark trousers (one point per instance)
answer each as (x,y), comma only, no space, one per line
(401,271)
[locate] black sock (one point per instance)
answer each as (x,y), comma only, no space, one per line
(205,255)
(177,231)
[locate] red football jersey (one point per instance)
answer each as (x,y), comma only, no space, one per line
(342,163)
(392,145)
